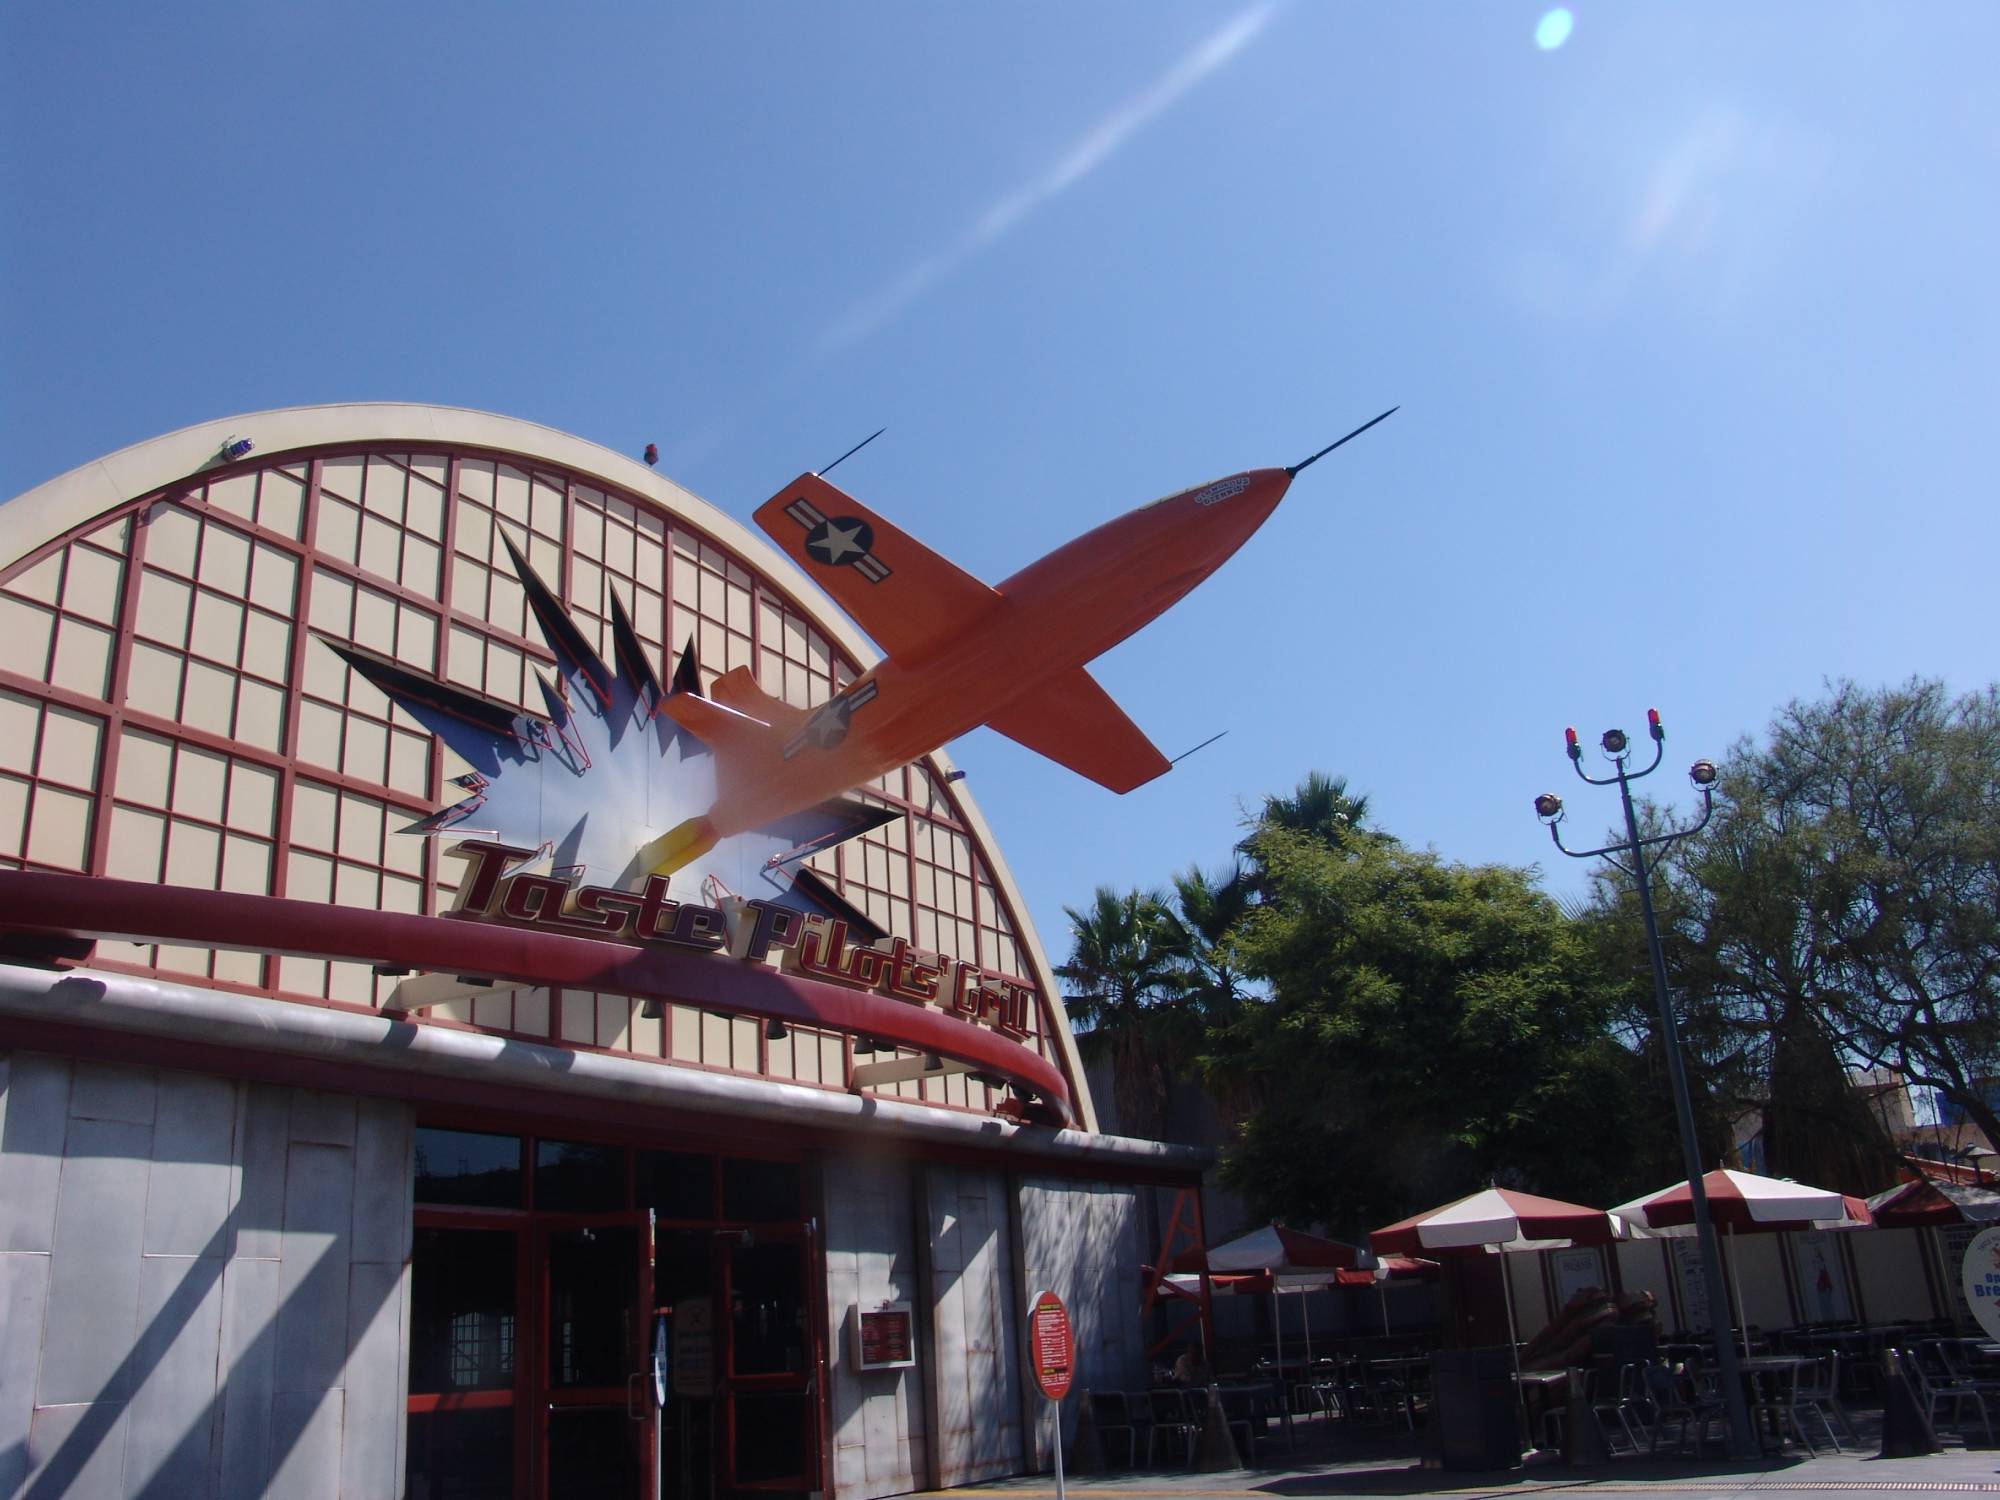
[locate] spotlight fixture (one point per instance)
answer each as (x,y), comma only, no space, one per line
(775,1030)
(234,448)
(991,1080)
(652,454)
(1653,725)
(1613,742)
(1569,741)
(1702,773)
(1548,807)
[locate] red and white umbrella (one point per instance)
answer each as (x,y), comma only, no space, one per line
(1292,1260)
(1274,1248)
(1744,1203)
(1499,1217)
(1496,1219)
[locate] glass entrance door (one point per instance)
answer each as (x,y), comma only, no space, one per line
(593,1395)
(770,1359)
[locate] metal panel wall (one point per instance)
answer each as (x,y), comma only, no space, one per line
(877,1426)
(975,1338)
(205,1286)
(1082,1240)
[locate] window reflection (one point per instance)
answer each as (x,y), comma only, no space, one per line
(462,1292)
(469,1168)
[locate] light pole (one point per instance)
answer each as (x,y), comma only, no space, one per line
(1549,808)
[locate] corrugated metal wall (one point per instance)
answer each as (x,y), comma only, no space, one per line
(204,1286)
(976,1365)
(879,1419)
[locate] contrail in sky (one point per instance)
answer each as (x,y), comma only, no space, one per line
(1083,156)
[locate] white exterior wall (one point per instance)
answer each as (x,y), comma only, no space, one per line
(1083,1241)
(205,1286)
(878,1421)
(1889,1265)
(975,1350)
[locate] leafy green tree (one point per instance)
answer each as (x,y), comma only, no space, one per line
(1844,909)
(1431,1027)
(1125,972)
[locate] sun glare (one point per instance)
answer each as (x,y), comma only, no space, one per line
(1554,28)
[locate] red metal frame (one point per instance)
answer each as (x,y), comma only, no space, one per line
(1185,1219)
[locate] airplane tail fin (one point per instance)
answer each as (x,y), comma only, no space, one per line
(737,690)
(732,734)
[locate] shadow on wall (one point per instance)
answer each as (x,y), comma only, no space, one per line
(204,1284)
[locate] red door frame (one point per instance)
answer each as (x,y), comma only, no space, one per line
(806,1382)
(526,1341)
(543,1398)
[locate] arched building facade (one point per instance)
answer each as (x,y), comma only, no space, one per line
(311,1185)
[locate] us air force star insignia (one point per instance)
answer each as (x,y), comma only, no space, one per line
(834,542)
(829,722)
(842,542)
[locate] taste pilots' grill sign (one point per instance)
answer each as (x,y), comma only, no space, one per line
(753,931)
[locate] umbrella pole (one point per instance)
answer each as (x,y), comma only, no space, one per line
(1736,1284)
(1306,1316)
(1382,1292)
(1513,1341)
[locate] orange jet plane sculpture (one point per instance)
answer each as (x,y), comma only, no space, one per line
(951,642)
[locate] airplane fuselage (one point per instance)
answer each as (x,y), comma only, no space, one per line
(1055,615)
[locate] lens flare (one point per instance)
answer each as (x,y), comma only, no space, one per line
(1554,28)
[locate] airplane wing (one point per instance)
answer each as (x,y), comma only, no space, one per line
(898,590)
(1073,721)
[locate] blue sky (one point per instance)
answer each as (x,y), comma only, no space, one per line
(1693,321)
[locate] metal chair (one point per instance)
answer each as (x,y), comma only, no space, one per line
(1819,1392)
(1936,1386)
(1168,1410)
(1114,1424)
(1690,1399)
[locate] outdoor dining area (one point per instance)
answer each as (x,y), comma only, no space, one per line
(1504,1327)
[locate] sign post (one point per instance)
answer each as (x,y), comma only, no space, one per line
(1052,1353)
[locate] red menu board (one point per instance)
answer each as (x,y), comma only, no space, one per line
(886,1338)
(1051,1349)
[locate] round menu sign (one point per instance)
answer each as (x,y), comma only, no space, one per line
(1051,1350)
(1979,1274)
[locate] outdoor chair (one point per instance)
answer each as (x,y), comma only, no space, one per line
(1618,1396)
(1687,1400)
(1114,1425)
(1168,1410)
(1780,1398)
(1819,1392)
(1935,1387)
(1239,1409)
(1960,1365)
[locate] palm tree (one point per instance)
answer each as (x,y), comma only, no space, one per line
(1123,974)
(1206,912)
(1321,807)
